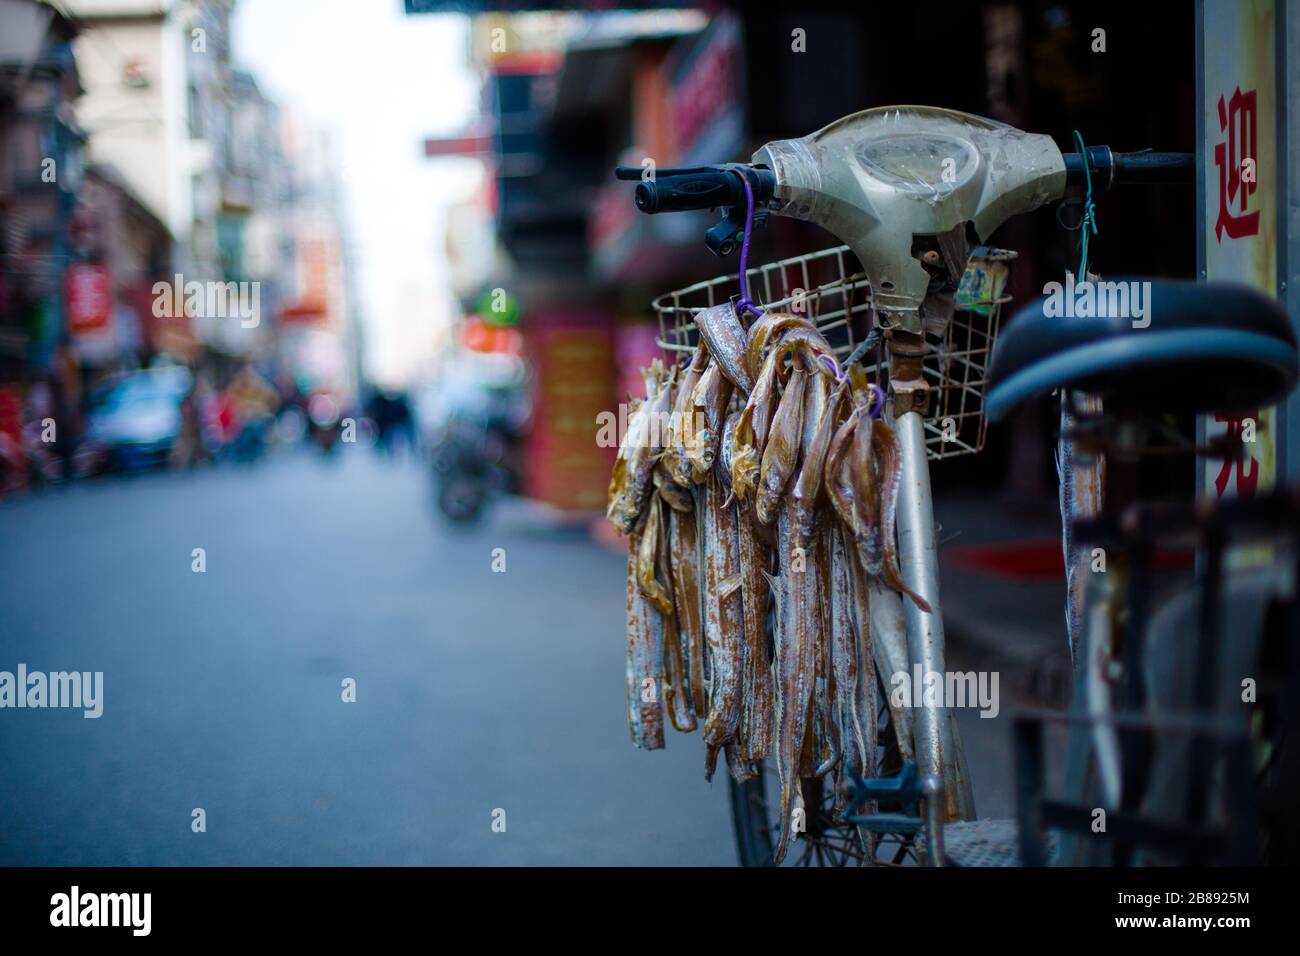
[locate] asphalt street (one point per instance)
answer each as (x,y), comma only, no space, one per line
(481,695)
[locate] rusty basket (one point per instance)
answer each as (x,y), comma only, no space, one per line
(829,286)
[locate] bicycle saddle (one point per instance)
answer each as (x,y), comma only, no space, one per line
(1166,346)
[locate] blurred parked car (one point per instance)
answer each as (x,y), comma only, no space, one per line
(138,421)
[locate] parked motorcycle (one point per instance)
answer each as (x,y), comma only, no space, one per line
(472,463)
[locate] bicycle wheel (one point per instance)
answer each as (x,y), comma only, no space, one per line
(828,840)
(1259,606)
(1171,777)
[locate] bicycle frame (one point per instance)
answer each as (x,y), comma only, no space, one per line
(936,741)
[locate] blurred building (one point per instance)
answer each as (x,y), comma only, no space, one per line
(253,240)
(118,237)
(135,61)
(191,175)
(318,322)
(203,148)
(41,148)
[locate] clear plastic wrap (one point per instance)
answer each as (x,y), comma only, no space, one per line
(880,177)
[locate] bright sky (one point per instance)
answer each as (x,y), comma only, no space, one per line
(380,82)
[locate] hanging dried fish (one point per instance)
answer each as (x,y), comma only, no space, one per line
(883,608)
(710,397)
(723,622)
(721,331)
(672,494)
(781,453)
(726,450)
(757,715)
(630,483)
(795,664)
(820,408)
(684,421)
(683,560)
(647,560)
(886,455)
(769,330)
(826,725)
(773,484)
(845,657)
(645,638)
(752,428)
(677,695)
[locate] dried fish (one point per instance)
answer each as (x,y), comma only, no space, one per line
(630,482)
(677,696)
(883,608)
(860,724)
(752,428)
(782,450)
(645,635)
(767,331)
(795,664)
(826,724)
(710,397)
(820,405)
(726,449)
(741,769)
(647,560)
(674,495)
(721,331)
(757,715)
(864,477)
(683,558)
(723,622)
(685,421)
(886,454)
(836,480)
(772,485)
(845,655)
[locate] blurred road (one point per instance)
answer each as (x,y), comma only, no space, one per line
(222,690)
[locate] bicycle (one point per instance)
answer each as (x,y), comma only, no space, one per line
(913,192)
(1161,745)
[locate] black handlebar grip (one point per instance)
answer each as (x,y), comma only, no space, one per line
(1148,167)
(700,187)
(674,193)
(1109,168)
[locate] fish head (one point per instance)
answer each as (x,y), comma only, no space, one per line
(622,513)
(744,470)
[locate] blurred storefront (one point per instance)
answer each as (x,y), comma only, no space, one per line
(122,242)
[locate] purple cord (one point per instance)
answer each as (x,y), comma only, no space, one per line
(878,405)
(743,304)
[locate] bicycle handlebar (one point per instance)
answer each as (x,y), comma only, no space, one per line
(699,187)
(1112,169)
(708,187)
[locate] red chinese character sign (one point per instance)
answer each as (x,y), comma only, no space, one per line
(88,298)
(1235,161)
(1239,164)
(1243,473)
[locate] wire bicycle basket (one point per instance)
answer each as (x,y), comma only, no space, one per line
(829,288)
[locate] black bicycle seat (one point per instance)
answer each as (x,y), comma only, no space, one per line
(1165,346)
